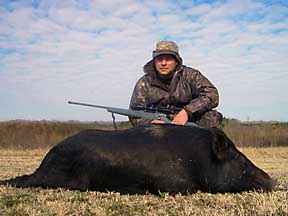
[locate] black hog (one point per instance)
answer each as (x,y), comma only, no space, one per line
(149,158)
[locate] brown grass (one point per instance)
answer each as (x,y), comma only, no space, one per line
(45,134)
(258,135)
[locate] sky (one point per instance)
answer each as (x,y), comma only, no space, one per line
(94,51)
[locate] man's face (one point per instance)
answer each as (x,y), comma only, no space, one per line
(165,64)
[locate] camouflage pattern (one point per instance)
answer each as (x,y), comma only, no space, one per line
(166,47)
(188,88)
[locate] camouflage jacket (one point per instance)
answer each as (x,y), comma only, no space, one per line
(187,89)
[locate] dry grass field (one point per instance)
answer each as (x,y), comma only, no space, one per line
(23,145)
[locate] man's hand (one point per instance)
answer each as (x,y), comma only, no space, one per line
(157,121)
(181,118)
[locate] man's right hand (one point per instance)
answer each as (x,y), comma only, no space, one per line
(181,118)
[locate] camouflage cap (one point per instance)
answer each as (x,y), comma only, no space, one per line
(166,47)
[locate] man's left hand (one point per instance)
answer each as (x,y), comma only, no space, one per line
(181,118)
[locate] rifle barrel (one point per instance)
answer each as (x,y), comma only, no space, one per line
(125,112)
(90,105)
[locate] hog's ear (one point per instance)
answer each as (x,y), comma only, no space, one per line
(219,144)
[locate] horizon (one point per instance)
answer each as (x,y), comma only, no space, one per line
(127,121)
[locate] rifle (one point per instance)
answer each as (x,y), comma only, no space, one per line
(145,113)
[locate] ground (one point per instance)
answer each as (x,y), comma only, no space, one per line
(36,201)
